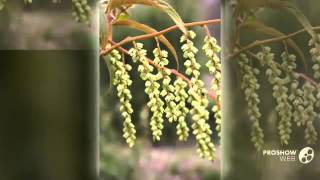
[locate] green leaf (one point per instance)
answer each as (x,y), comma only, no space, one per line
(173,14)
(159,4)
(110,70)
(118,3)
(259,26)
(147,29)
(123,16)
(292,8)
(302,18)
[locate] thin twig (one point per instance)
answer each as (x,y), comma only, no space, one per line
(155,34)
(267,41)
(173,71)
(110,19)
(308,79)
(301,75)
(206,28)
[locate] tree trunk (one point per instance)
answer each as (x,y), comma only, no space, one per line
(48,115)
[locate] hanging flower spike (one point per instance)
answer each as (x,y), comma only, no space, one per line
(296,95)
(310,100)
(167,89)
(315,54)
(181,109)
(197,99)
(250,85)
(152,89)
(211,49)
(122,82)
(280,93)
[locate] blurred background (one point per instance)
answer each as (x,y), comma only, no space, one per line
(43,25)
(240,158)
(169,159)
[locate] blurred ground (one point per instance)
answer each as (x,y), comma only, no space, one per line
(161,163)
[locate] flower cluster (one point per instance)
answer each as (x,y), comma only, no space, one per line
(296,94)
(152,89)
(295,97)
(250,85)
(122,82)
(280,93)
(315,53)
(181,109)
(175,95)
(81,11)
(310,100)
(211,49)
(200,126)
(167,88)
(189,52)
(197,99)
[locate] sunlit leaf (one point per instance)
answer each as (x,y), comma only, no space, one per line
(123,16)
(159,4)
(173,14)
(147,29)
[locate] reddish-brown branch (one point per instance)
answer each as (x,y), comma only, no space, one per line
(308,79)
(267,41)
(207,30)
(173,71)
(155,34)
(110,19)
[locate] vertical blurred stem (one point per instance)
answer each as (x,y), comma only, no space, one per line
(239,160)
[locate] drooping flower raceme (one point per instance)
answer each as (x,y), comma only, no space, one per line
(152,89)
(181,110)
(211,49)
(280,93)
(122,82)
(310,100)
(167,88)
(315,53)
(250,85)
(174,94)
(197,99)
(296,94)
